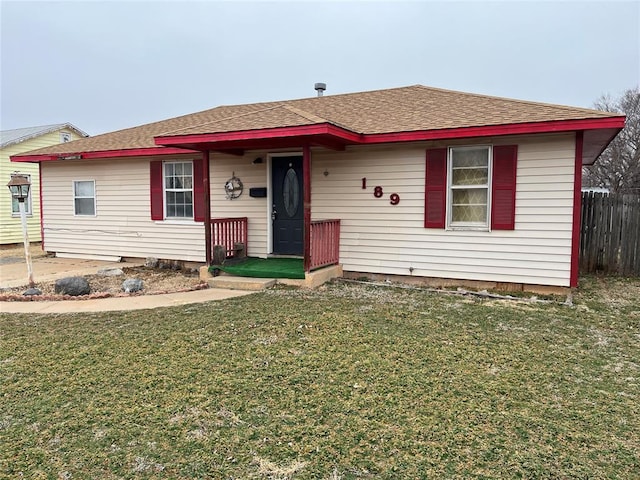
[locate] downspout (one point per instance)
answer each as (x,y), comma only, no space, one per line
(41,211)
(207,206)
(306,188)
(577,211)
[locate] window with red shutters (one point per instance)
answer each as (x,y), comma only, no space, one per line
(502,186)
(182,192)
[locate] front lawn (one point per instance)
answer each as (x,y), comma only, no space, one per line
(345,382)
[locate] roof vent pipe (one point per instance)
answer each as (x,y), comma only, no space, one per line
(320,88)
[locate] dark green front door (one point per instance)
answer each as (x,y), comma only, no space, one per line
(287,210)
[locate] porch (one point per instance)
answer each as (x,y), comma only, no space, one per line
(229,242)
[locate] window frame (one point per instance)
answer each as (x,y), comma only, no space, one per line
(474,226)
(165,201)
(75,197)
(28,203)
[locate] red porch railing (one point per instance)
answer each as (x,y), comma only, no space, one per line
(228,232)
(325,243)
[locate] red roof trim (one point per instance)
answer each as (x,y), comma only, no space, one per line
(131,152)
(498,130)
(280,132)
(577,211)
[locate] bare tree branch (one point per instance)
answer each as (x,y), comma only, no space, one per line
(618,167)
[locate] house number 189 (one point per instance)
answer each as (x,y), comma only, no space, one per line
(378,192)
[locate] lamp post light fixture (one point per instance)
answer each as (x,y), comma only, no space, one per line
(19,188)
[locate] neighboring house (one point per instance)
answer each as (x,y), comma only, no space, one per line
(13,142)
(424,182)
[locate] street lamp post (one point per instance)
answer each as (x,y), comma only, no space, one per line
(19,188)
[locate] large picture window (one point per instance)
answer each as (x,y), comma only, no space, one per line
(178,189)
(469,174)
(84,197)
(15,205)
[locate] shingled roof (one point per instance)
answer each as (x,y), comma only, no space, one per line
(17,135)
(381,112)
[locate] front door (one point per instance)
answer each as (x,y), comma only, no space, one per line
(287,211)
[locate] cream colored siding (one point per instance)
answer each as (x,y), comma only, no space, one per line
(377,237)
(255,209)
(122,225)
(11,227)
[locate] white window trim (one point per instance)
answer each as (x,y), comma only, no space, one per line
(485,227)
(73,193)
(28,202)
(178,220)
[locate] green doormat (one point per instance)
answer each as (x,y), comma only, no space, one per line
(264,268)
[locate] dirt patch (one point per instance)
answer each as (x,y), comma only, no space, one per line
(156,281)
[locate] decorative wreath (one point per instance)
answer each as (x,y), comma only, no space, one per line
(233,187)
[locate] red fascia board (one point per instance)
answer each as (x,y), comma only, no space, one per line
(268,133)
(132,152)
(577,205)
(350,137)
(497,130)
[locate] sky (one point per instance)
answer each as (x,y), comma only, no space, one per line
(108,65)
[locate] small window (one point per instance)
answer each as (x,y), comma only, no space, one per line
(65,137)
(178,190)
(469,174)
(84,197)
(15,205)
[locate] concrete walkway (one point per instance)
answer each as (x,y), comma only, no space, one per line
(45,269)
(114,304)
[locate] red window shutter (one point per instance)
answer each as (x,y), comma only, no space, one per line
(503,187)
(157,194)
(435,198)
(198,191)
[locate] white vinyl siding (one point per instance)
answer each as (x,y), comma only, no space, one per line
(122,225)
(377,237)
(222,168)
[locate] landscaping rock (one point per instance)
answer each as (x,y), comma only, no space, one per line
(131,285)
(32,291)
(74,286)
(110,272)
(151,262)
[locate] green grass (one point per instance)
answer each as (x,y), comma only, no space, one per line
(348,381)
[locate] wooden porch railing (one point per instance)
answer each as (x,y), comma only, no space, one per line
(325,243)
(228,232)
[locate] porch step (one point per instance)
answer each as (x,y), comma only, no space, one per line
(240,283)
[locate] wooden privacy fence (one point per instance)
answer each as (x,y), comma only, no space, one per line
(610,233)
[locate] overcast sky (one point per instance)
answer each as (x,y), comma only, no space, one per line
(106,65)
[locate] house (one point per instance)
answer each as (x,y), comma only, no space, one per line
(13,142)
(411,182)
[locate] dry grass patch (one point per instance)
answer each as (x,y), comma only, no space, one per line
(348,382)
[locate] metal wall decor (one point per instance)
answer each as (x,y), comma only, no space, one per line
(233,187)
